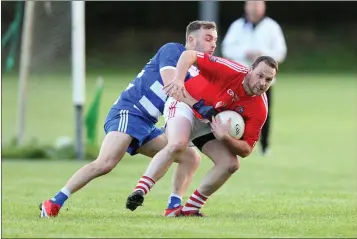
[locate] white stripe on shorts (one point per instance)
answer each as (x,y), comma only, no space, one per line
(123,122)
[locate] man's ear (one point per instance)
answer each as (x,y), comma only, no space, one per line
(190,39)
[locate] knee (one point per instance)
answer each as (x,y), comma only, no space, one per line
(231,166)
(177,147)
(102,167)
(193,157)
(190,157)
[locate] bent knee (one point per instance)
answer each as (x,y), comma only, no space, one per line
(234,166)
(177,147)
(190,156)
(230,166)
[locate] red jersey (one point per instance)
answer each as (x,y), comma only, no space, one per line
(221,85)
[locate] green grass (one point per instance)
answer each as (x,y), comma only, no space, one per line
(306,188)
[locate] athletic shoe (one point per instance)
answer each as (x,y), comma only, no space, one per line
(134,200)
(173,212)
(191,214)
(49,209)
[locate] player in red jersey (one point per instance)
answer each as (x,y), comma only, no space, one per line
(227,86)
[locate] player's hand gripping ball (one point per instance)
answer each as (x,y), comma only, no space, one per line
(237,126)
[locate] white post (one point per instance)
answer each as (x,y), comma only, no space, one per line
(26,45)
(78,70)
(209,11)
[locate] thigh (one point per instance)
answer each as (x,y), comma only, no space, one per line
(179,119)
(200,128)
(114,146)
(176,109)
(219,153)
(200,141)
(202,134)
(153,146)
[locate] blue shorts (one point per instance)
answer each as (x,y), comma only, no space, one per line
(129,122)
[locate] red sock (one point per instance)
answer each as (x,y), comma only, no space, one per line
(145,184)
(195,202)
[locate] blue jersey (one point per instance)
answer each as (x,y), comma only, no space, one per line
(144,96)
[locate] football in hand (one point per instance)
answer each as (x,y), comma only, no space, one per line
(237,123)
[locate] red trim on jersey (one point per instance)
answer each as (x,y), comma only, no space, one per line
(200,54)
(265,100)
(232,65)
(218,69)
(235,66)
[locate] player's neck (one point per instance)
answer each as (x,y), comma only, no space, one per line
(246,87)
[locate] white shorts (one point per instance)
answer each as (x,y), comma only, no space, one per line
(174,108)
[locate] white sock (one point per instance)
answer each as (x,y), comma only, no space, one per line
(66,191)
(176,196)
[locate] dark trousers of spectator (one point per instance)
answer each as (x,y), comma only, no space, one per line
(264,138)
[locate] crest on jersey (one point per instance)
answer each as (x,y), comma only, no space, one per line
(233,95)
(240,109)
(213,58)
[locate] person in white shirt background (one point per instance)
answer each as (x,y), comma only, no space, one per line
(251,36)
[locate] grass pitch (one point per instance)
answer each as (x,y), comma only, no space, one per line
(305,188)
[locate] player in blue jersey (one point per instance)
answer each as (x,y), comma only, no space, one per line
(130,123)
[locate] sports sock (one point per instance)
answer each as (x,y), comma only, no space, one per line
(195,202)
(145,184)
(174,201)
(61,196)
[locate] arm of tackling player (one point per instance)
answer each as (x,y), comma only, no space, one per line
(168,60)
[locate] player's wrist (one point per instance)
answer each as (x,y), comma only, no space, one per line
(226,137)
(180,77)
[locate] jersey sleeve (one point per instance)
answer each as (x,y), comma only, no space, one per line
(169,56)
(254,125)
(215,68)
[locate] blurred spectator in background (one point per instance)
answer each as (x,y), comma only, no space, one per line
(251,36)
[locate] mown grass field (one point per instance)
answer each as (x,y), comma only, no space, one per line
(305,188)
